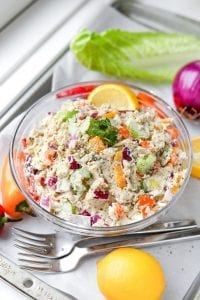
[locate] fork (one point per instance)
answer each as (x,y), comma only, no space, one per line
(70,262)
(55,245)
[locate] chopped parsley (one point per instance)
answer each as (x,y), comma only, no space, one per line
(103,129)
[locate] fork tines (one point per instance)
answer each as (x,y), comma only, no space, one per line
(33,242)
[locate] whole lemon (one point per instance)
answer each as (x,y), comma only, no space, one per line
(130,274)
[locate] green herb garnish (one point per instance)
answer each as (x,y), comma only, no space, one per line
(103,129)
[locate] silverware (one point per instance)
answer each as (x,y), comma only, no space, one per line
(68,263)
(55,245)
(27,284)
(194,291)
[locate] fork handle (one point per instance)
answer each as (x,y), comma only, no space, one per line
(147,241)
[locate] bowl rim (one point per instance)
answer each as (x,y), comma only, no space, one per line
(99,231)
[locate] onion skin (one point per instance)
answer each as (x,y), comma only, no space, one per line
(186,90)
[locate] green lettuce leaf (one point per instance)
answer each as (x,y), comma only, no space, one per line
(149,56)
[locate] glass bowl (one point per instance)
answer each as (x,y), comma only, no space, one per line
(52,102)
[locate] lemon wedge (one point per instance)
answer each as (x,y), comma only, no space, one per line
(118,96)
(196,157)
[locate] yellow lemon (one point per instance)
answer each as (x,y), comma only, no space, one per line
(119,96)
(130,274)
(196,157)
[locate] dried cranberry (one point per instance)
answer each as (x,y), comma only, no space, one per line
(94,115)
(85,213)
(126,154)
(42,181)
(174,143)
(73,163)
(24,142)
(36,197)
(35,171)
(94,219)
(101,195)
(52,181)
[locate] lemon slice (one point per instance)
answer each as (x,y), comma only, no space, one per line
(196,157)
(119,97)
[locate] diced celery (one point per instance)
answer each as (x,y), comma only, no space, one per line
(84,173)
(144,186)
(137,131)
(145,164)
(73,210)
(150,184)
(66,115)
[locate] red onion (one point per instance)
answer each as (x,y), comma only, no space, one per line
(100,195)
(94,115)
(73,163)
(85,213)
(45,202)
(126,154)
(94,219)
(52,181)
(186,90)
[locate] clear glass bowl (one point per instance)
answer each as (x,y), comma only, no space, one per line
(52,102)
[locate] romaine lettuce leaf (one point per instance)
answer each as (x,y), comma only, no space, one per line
(149,56)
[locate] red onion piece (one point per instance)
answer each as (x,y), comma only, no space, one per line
(94,219)
(94,115)
(52,181)
(73,163)
(186,90)
(45,202)
(126,154)
(101,195)
(85,213)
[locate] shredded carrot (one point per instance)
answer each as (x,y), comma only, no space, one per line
(110,114)
(118,155)
(119,176)
(123,131)
(51,155)
(22,156)
(173,159)
(146,100)
(97,144)
(143,210)
(174,189)
(173,131)
(146,200)
(145,144)
(119,210)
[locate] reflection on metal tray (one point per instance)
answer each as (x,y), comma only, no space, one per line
(157,19)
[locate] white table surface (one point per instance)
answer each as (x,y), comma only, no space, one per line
(172,253)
